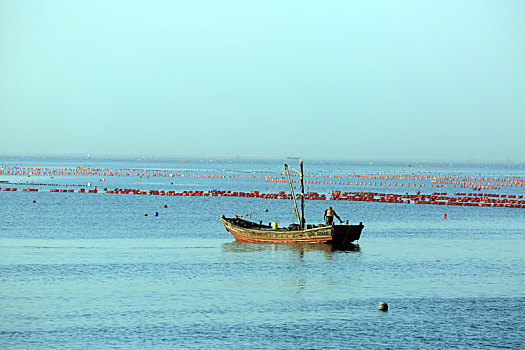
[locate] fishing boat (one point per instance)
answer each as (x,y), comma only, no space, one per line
(257,232)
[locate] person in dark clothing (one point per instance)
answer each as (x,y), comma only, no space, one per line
(329,216)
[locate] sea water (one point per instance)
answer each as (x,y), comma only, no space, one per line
(93,271)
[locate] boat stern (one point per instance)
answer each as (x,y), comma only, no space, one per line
(346,234)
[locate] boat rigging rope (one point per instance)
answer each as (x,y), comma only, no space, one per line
(296,210)
(266,197)
(269,198)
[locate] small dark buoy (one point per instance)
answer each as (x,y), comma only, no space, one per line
(382,306)
(156,213)
(145,214)
(34,201)
(165,205)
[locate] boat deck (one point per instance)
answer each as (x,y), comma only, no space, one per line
(252,225)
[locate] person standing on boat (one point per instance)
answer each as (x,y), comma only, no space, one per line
(329,216)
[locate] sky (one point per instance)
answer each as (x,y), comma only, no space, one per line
(432,80)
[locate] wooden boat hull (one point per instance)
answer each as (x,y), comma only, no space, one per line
(247,231)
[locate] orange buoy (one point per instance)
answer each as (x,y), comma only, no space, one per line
(444,216)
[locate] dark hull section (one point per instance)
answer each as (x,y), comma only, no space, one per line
(336,235)
(344,235)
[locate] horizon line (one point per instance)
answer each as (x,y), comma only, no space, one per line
(239,157)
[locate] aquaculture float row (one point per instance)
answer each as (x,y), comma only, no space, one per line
(353,179)
(409,181)
(462,199)
(436,198)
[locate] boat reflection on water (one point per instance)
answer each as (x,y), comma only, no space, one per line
(246,247)
(305,266)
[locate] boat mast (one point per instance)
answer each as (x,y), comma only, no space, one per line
(302,196)
(296,211)
(299,216)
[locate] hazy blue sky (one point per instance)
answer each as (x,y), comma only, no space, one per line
(390,80)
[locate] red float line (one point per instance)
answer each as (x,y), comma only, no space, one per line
(436,198)
(481,200)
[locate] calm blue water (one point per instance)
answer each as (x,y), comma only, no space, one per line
(91,271)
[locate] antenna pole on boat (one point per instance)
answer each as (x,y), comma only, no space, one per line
(302,196)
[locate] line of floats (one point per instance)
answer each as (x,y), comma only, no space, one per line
(460,199)
(393,180)
(378,185)
(435,181)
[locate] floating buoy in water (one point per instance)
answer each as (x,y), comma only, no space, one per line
(156,213)
(444,216)
(165,205)
(382,306)
(145,214)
